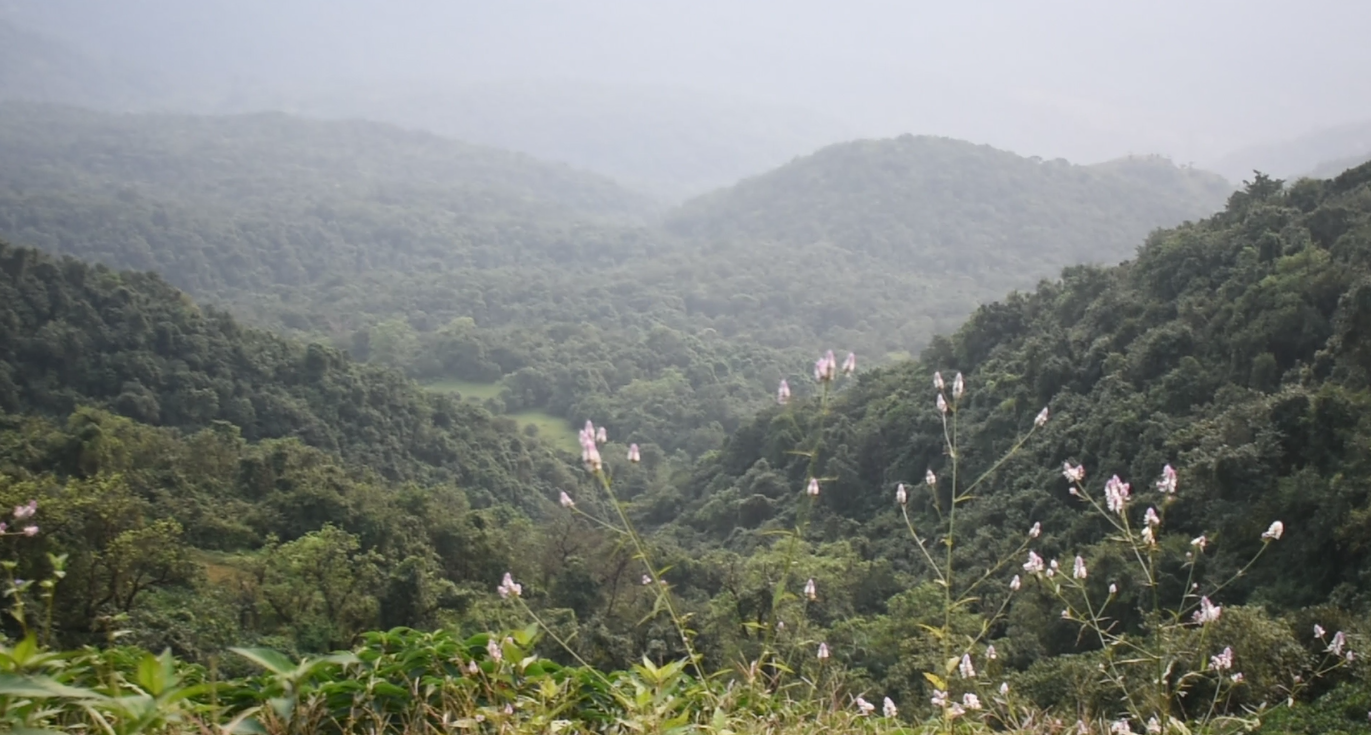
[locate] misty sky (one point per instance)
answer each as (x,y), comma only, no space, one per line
(1084,80)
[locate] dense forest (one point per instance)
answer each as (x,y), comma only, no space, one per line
(542,289)
(212,484)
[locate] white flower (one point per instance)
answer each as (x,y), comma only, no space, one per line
(1052,568)
(783,393)
(1073,473)
(965,668)
(1042,417)
(1274,532)
(901,496)
(1237,678)
(939,698)
(493,650)
(1036,530)
(472,668)
(1014,583)
(930,479)
(1199,542)
(850,364)
(823,651)
(954,711)
(1113,589)
(1152,518)
(958,387)
(1034,565)
(825,368)
(971,701)
(942,404)
(1148,536)
(24,512)
(1339,640)
(1079,571)
(1120,727)
(888,708)
(633,454)
(1319,632)
(938,380)
(813,488)
(811,591)
(509,587)
(565,500)
(1223,661)
(990,652)
(1167,484)
(1154,726)
(647,579)
(864,707)
(600,436)
(1066,615)
(1116,494)
(1208,612)
(1004,689)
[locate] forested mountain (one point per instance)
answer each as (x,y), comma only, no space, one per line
(41,69)
(457,262)
(1311,154)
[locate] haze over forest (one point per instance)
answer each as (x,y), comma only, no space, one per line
(423,367)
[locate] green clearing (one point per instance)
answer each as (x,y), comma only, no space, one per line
(466,388)
(551,429)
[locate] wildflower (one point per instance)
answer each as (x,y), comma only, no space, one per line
(590,453)
(472,668)
(1208,612)
(813,488)
(954,711)
(864,707)
(509,709)
(823,651)
(938,381)
(971,701)
(1199,542)
(1319,632)
(965,668)
(1079,571)
(1148,536)
(30,530)
(825,368)
(958,387)
(1113,589)
(939,699)
(990,652)
(4,526)
(1116,494)
(930,479)
(1167,485)
(1152,518)
(509,587)
(850,364)
(1014,583)
(1154,726)
(1339,640)
(634,455)
(888,708)
(780,625)
(1082,728)
(647,579)
(22,512)
(1120,727)
(1053,567)
(1073,474)
(1034,565)
(783,393)
(811,591)
(1042,417)
(1237,678)
(1004,689)
(1274,532)
(493,650)
(901,496)
(1066,614)
(1036,530)
(601,436)
(565,499)
(942,404)
(1223,661)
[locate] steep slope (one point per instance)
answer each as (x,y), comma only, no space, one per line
(73,335)
(1234,348)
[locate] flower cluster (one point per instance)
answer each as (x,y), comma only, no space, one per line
(21,513)
(590,439)
(509,587)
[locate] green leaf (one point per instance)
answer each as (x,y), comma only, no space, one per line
(273,661)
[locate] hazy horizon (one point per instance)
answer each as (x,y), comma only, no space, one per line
(1066,79)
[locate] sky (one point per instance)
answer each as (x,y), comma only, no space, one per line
(1083,80)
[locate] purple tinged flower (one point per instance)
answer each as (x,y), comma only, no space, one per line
(958,387)
(811,590)
(509,587)
(1237,678)
(1079,571)
(864,707)
(901,496)
(954,711)
(633,454)
(30,530)
(1154,726)
(565,499)
(1319,632)
(939,699)
(888,708)
(1073,474)
(850,364)
(941,403)
(1034,565)
(1116,493)
(1152,518)
(1041,418)
(965,668)
(783,393)
(493,650)
(601,436)
(938,381)
(1274,532)
(826,368)
(1053,567)
(812,489)
(1223,661)
(971,701)
(1167,485)
(4,526)
(1208,612)
(823,652)
(22,512)
(1339,640)
(1036,530)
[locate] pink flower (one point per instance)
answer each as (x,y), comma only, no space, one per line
(1036,530)
(938,381)
(1041,418)
(1152,518)
(1073,474)
(565,500)
(1116,494)
(958,387)
(823,651)
(1274,532)
(965,668)
(783,393)
(1015,583)
(864,707)
(30,530)
(942,404)
(812,489)
(901,496)
(1079,572)
(1034,565)
(811,590)
(22,512)
(509,587)
(930,479)
(1208,612)
(825,368)
(1167,484)
(633,454)
(850,364)
(1223,661)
